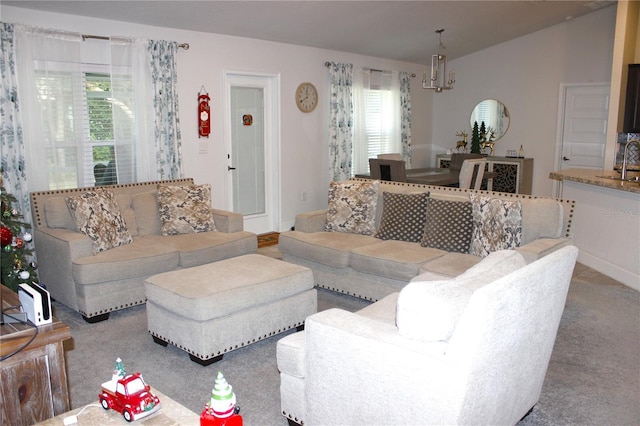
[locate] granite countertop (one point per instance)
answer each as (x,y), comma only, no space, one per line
(598,178)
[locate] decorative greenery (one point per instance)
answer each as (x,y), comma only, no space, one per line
(475,139)
(17,266)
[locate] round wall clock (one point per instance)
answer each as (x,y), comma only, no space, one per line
(306,97)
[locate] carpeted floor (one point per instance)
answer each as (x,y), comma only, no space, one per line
(593,377)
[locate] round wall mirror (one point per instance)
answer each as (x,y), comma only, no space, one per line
(495,116)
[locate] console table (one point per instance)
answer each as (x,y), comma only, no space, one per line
(34,380)
(514,175)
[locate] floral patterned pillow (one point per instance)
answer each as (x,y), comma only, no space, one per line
(97,215)
(185,209)
(497,224)
(352,207)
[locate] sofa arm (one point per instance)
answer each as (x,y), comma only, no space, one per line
(227,221)
(362,371)
(56,249)
(314,221)
(542,247)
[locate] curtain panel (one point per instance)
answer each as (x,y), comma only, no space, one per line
(13,157)
(405,117)
(340,121)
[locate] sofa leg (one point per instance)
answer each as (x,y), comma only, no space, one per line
(205,362)
(293,423)
(300,327)
(97,318)
(159,341)
(528,412)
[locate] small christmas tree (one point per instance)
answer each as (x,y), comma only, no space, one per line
(475,139)
(17,264)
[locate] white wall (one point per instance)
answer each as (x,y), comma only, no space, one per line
(525,74)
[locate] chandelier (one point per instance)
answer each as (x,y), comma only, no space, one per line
(438,80)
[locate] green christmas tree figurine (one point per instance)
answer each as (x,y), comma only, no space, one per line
(15,239)
(475,139)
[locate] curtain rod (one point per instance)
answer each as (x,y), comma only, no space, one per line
(184,46)
(328,64)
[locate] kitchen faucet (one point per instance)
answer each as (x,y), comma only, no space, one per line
(624,159)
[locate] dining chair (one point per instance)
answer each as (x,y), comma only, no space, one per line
(458,158)
(393,170)
(472,172)
(390,156)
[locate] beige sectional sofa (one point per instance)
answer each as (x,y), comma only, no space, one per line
(96,283)
(371,268)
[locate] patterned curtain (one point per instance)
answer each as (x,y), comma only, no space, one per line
(12,162)
(405,117)
(340,121)
(164,77)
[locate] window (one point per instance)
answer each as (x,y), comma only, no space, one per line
(82,106)
(376,116)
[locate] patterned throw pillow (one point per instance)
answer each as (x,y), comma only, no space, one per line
(497,224)
(403,216)
(352,207)
(449,226)
(97,215)
(185,209)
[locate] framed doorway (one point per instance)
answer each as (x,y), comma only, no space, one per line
(252,123)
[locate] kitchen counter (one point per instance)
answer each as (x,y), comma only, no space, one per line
(597,178)
(606,223)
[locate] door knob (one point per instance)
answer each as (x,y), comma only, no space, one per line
(565,159)
(230,168)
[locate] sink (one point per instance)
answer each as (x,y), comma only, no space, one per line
(632,179)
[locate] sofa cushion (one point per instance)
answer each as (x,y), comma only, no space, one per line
(403,216)
(446,267)
(126,209)
(185,209)
(97,215)
(430,310)
(58,215)
(206,247)
(541,218)
(352,207)
(147,211)
(398,260)
(145,256)
(448,226)
(327,248)
(497,224)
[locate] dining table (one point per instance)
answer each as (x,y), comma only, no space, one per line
(438,176)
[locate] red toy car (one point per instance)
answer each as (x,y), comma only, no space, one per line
(130,396)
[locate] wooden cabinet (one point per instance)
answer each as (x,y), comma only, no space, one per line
(515,175)
(34,380)
(631,123)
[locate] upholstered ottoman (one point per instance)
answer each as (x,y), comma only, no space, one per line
(215,308)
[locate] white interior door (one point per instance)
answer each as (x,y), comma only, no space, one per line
(253,150)
(584,126)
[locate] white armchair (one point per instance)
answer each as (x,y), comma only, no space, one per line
(472,350)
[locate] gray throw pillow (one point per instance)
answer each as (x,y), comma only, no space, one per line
(403,216)
(449,226)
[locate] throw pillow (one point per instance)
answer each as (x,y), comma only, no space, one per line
(403,216)
(430,311)
(448,226)
(97,215)
(352,207)
(185,209)
(497,224)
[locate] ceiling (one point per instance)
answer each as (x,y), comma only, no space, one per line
(399,30)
